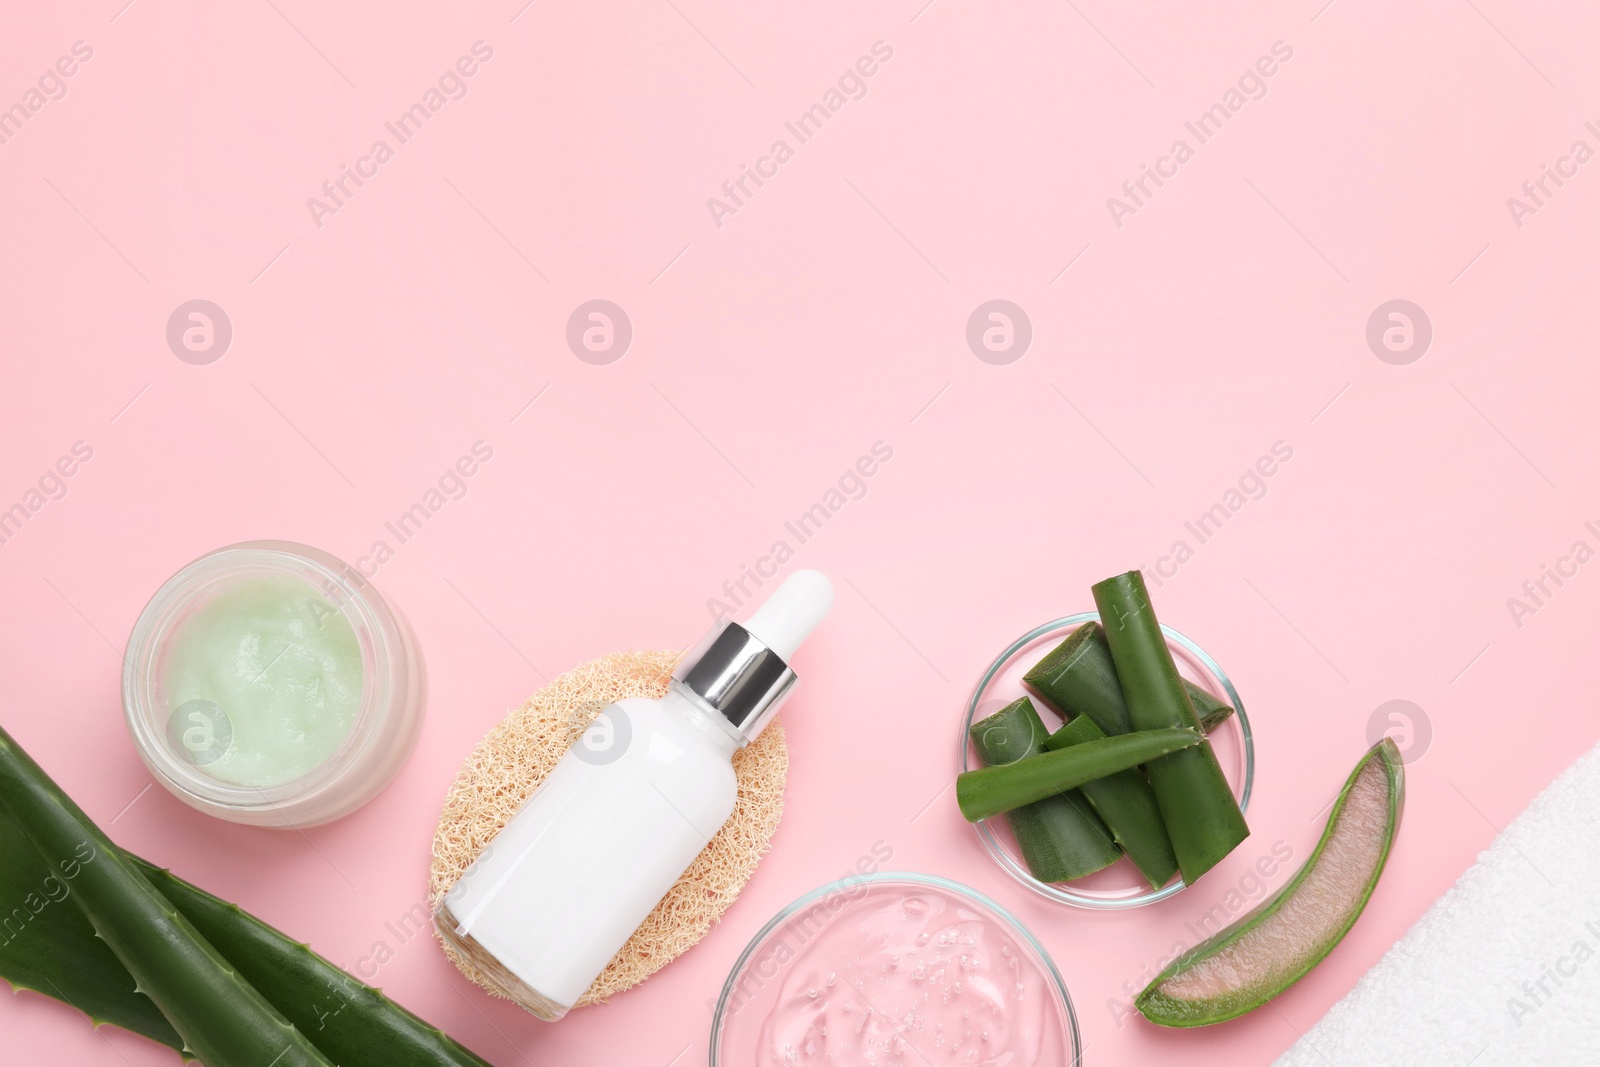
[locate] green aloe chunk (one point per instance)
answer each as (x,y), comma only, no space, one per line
(1213,711)
(1060,836)
(1275,945)
(992,790)
(1077,677)
(1126,805)
(1202,817)
(221,1017)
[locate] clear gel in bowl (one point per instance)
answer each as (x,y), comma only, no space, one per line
(894,969)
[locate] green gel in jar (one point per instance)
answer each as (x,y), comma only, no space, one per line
(264,681)
(270,683)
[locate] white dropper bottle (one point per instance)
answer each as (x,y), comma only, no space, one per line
(550,901)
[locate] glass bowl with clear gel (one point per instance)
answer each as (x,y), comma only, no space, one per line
(1120,885)
(269,683)
(894,970)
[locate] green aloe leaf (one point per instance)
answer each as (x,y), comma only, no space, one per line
(51,947)
(222,1018)
(47,944)
(352,1024)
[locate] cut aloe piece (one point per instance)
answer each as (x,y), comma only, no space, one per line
(1077,677)
(991,790)
(1061,837)
(1212,711)
(1274,946)
(1202,817)
(1126,805)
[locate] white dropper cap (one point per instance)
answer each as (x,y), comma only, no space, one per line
(792,611)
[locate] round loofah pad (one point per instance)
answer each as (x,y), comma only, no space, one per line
(513,759)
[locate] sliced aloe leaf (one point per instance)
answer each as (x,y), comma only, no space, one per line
(1274,946)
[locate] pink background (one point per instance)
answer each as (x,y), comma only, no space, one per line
(828,313)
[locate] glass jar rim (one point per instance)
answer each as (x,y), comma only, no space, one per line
(355,598)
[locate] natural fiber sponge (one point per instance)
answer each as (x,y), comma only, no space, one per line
(513,759)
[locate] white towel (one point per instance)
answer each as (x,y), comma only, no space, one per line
(1504,968)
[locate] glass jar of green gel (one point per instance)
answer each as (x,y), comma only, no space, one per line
(269,683)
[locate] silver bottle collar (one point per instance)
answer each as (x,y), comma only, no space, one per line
(738,677)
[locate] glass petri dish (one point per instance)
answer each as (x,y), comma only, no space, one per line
(1120,885)
(869,953)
